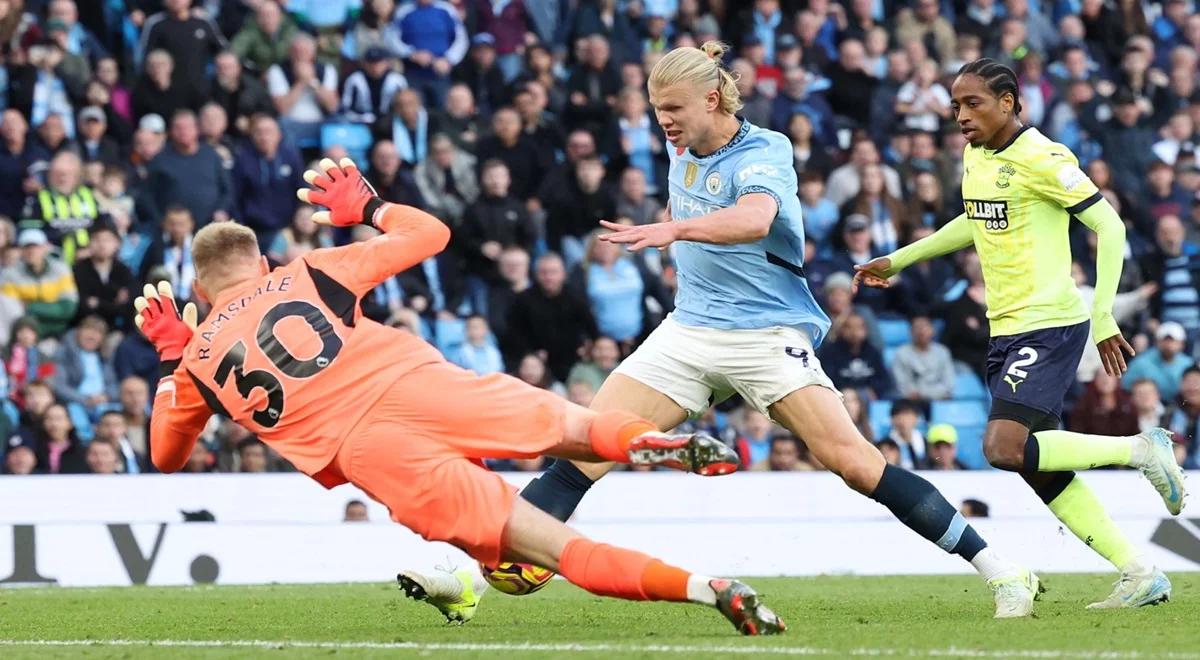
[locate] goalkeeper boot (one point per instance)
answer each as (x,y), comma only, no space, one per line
(1137,589)
(744,609)
(690,452)
(1015,594)
(1161,468)
(452,593)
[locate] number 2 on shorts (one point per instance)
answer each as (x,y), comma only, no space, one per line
(1029,357)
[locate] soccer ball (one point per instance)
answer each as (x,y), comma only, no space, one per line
(516,579)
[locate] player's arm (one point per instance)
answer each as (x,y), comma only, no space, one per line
(757,187)
(410,235)
(179,413)
(1102,218)
(953,236)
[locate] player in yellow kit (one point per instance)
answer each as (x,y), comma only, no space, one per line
(1020,190)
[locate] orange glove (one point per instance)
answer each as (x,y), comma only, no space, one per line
(343,190)
(159,319)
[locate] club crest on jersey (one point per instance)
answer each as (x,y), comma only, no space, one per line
(993,214)
(689,174)
(713,183)
(1006,171)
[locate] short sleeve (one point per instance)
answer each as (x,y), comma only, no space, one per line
(1058,178)
(277,84)
(769,173)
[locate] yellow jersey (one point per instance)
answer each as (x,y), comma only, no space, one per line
(1019,200)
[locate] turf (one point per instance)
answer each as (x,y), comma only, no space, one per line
(828,617)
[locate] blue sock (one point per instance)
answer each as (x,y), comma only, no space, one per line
(919,505)
(559,489)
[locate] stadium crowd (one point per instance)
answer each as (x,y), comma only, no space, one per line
(129,124)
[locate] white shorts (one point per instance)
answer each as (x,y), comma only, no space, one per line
(697,367)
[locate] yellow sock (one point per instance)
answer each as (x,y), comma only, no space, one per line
(1062,451)
(1083,514)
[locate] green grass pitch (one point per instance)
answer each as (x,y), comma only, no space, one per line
(944,617)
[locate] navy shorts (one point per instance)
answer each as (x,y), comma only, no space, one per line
(1031,372)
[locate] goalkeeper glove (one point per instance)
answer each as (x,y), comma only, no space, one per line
(159,319)
(342,189)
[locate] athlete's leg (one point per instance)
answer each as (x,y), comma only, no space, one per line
(560,489)
(533,536)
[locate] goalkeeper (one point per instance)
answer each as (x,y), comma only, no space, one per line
(288,354)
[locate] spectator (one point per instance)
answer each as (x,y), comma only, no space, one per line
(159,92)
(135,410)
(436,285)
(101,458)
(38,397)
(911,443)
(94,143)
(368,92)
(1164,364)
(478,352)
(480,74)
(888,225)
(263,41)
(943,446)
(852,362)
(541,126)
(924,22)
(617,287)
(190,37)
(390,181)
(754,434)
(1183,417)
(106,286)
(20,458)
(927,206)
(890,451)
(840,305)
(172,249)
(601,19)
(431,39)
(112,431)
(82,376)
(756,106)
(1104,409)
(240,94)
(1177,138)
(1125,306)
(592,88)
(1174,266)
(1164,196)
(407,126)
(302,236)
(548,318)
(640,144)
(1147,405)
(532,370)
(43,283)
(784,456)
(58,448)
(214,126)
(21,163)
(966,333)
(356,511)
(923,370)
(190,173)
(1125,134)
(24,361)
(65,209)
(632,200)
(923,102)
(109,92)
(974,509)
(52,135)
(305,91)
(845,182)
(135,357)
(447,180)
(510,145)
(460,119)
(252,455)
(808,155)
(39,89)
(514,278)
(603,356)
(581,393)
(79,40)
(265,177)
(497,220)
(570,219)
(370,30)
(200,461)
(852,85)
(884,120)
(820,214)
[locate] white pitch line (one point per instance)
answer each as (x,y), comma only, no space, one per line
(952,652)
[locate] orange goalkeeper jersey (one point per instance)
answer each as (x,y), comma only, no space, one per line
(291,357)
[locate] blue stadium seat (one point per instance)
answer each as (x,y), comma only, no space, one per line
(889,355)
(880,415)
(959,413)
(895,332)
(450,333)
(970,447)
(938,326)
(355,138)
(968,386)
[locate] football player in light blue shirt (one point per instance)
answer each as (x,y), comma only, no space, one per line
(745,320)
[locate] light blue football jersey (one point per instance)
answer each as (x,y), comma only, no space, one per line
(751,285)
